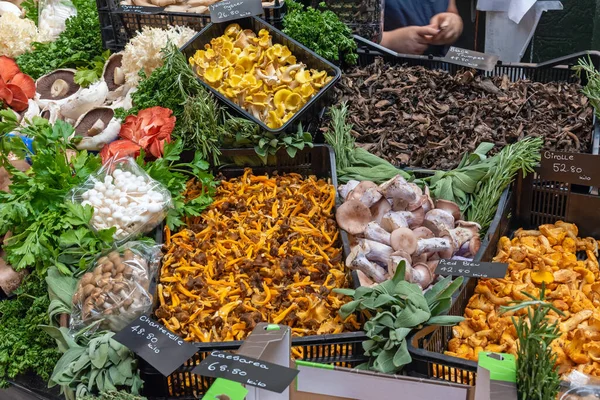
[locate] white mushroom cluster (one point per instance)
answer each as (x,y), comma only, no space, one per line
(396,222)
(131,203)
(90,110)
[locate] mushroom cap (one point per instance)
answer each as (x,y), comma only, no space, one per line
(450,207)
(474,226)
(379,209)
(362,187)
(418,216)
(87,120)
(43,85)
(109,71)
(404,239)
(432,265)
(422,276)
(423,232)
(427,204)
(404,254)
(438,220)
(353,217)
(474,245)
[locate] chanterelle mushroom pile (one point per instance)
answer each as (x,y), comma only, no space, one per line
(263,78)
(546,255)
(396,221)
(266,250)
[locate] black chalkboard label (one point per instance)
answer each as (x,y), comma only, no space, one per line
(140,9)
(475,269)
(161,348)
(228,10)
(246,370)
(579,169)
(470,58)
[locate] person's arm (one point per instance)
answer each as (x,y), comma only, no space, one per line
(410,39)
(449,23)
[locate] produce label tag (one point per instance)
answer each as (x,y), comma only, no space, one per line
(470,58)
(228,10)
(140,9)
(161,348)
(475,269)
(246,370)
(579,169)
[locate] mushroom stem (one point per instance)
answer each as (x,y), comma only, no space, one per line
(392,266)
(433,245)
(393,220)
(344,190)
(358,261)
(119,76)
(96,128)
(59,88)
(379,209)
(375,251)
(377,233)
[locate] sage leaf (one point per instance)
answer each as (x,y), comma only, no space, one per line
(401,357)
(349,308)
(384,362)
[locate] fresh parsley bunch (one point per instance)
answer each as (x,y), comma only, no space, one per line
(321,31)
(77,46)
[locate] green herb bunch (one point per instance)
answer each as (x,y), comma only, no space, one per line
(592,88)
(537,377)
(93,363)
(91,73)
(355,163)
(31,9)
(321,31)
(77,46)
(522,156)
(394,308)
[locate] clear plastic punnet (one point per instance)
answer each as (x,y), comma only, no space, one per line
(124,196)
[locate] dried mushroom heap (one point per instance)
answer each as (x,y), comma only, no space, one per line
(547,255)
(266,250)
(429,118)
(263,78)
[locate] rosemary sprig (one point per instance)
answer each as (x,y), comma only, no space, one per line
(522,156)
(592,88)
(537,377)
(339,137)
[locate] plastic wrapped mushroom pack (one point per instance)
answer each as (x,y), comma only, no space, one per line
(124,196)
(397,221)
(116,289)
(188,6)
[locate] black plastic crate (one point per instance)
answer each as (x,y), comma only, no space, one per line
(118,26)
(303,54)
(363,17)
(556,70)
(532,202)
(343,349)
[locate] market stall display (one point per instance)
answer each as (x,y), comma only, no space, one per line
(110,214)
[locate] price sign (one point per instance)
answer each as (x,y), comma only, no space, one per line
(141,9)
(246,370)
(475,269)
(228,10)
(470,58)
(161,348)
(580,169)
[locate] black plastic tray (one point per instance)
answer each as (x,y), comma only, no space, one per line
(343,349)
(118,27)
(303,54)
(532,202)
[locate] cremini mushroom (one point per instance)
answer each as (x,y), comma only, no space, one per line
(114,77)
(353,217)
